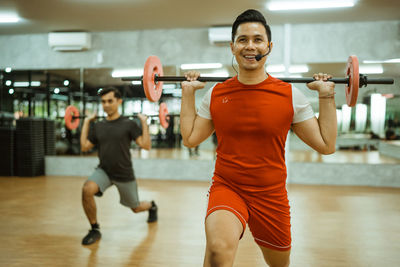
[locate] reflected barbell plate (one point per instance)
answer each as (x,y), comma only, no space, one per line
(152,68)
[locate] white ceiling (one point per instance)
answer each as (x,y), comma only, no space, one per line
(41,16)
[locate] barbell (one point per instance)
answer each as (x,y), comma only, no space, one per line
(72,117)
(152,79)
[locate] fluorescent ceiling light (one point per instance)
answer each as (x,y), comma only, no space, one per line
(127,73)
(280,68)
(21,84)
(168,91)
(8,18)
(95,2)
(371,69)
(26,84)
(283,75)
(169,86)
(298,69)
(175,91)
(35,83)
(279,75)
(196,66)
(295,76)
(275,68)
(136,82)
(222,73)
(298,5)
(393,60)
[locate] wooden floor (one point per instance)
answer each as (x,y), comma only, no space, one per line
(42,224)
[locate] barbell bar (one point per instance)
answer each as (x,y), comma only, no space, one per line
(103,117)
(364,80)
(153,79)
(72,116)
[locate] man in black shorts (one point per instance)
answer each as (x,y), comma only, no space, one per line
(113,137)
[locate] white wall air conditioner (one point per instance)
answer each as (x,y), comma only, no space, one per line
(70,41)
(219,35)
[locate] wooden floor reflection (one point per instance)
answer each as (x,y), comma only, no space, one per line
(42,224)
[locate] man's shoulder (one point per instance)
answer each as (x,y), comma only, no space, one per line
(121,120)
(227,83)
(278,82)
(126,121)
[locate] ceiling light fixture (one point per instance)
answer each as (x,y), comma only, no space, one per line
(196,66)
(393,60)
(275,68)
(21,84)
(35,83)
(126,73)
(26,84)
(301,5)
(298,69)
(169,86)
(222,73)
(295,76)
(371,69)
(172,91)
(7,18)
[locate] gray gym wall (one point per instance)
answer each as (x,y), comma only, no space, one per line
(310,43)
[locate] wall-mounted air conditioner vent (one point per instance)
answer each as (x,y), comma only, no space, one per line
(219,35)
(69,41)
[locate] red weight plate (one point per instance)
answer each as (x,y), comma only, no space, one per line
(163,115)
(152,89)
(70,122)
(354,79)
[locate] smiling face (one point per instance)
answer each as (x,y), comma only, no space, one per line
(250,40)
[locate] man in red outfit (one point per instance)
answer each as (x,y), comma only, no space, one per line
(251,114)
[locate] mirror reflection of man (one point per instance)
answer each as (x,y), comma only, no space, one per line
(113,137)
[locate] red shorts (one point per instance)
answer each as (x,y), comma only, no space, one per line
(267,214)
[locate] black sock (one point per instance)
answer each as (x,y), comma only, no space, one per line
(95,226)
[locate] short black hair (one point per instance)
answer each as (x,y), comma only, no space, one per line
(107,90)
(250,15)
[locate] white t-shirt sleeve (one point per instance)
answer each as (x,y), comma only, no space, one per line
(204,109)
(301,106)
